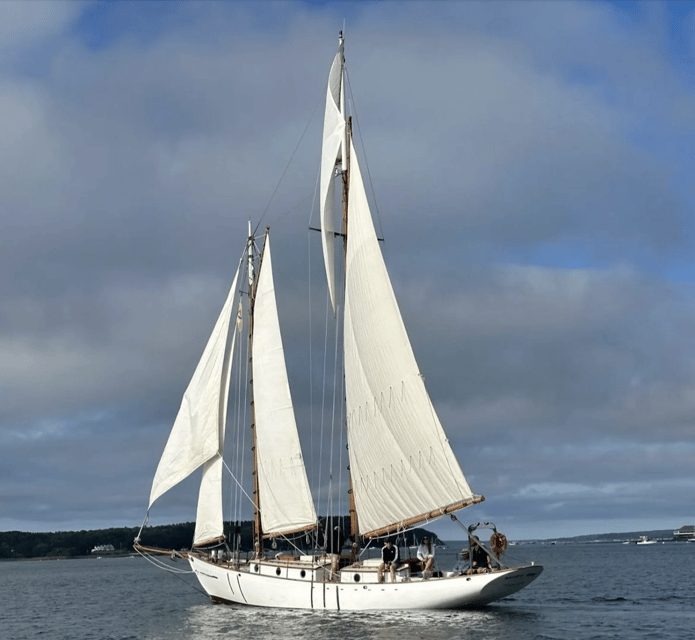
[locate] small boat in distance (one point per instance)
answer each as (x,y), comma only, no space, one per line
(402,470)
(646,540)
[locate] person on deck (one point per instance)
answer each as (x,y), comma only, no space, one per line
(389,557)
(425,554)
(480,560)
(334,545)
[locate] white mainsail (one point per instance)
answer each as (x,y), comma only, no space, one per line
(402,467)
(333,140)
(285,500)
(195,437)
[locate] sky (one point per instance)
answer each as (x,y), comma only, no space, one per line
(531,169)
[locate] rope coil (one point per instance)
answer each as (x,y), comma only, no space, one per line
(498,544)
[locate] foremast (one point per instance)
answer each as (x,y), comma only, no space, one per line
(253,288)
(354,521)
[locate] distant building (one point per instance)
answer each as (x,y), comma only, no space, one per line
(103,548)
(685,533)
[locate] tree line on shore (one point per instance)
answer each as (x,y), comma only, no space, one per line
(70,544)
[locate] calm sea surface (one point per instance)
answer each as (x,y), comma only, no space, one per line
(606,590)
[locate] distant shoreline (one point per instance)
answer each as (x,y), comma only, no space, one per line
(64,545)
(119,554)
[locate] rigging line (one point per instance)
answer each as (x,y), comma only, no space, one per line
(315,482)
(333,409)
(245,405)
(233,349)
(233,495)
(290,542)
(339,379)
(343,432)
(162,565)
(234,458)
(364,152)
(323,391)
(244,388)
(177,574)
(238,483)
(242,407)
(238,452)
(241,416)
(142,526)
(289,162)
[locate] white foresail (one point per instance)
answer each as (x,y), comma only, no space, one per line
(333,139)
(285,500)
(401,463)
(195,436)
(209,520)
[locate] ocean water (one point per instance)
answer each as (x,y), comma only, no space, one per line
(587,591)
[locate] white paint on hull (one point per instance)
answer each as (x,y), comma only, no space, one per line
(265,589)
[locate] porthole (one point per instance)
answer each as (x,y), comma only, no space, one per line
(255,568)
(302,574)
(278,571)
(357,577)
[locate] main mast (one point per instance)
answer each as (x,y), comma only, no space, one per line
(345,170)
(354,524)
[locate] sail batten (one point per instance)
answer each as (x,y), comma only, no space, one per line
(401,462)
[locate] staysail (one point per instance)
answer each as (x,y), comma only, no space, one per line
(209,520)
(285,500)
(195,437)
(402,467)
(333,141)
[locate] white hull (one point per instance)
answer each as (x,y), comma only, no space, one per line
(289,590)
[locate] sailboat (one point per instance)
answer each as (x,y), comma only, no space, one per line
(402,470)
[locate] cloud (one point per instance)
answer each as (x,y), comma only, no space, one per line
(23,25)
(529,165)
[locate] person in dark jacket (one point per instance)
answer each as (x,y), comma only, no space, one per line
(389,558)
(334,545)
